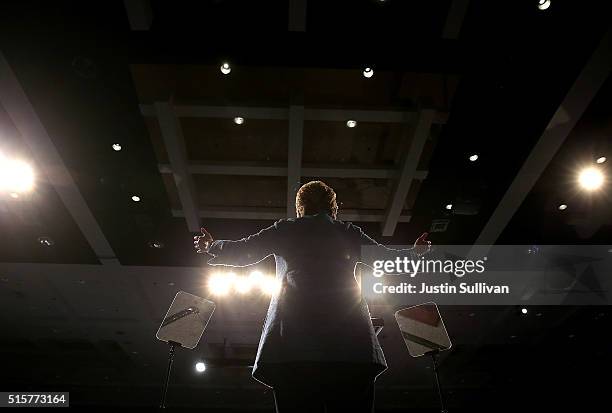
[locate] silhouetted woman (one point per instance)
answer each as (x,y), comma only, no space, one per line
(318,349)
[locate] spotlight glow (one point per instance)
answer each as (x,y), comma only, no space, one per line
(270,286)
(524,310)
(226,68)
(116,147)
(562,207)
(368,72)
(351,123)
(255,277)
(15,175)
(242,285)
(543,4)
(135,198)
(591,179)
(473,158)
(238,120)
(200,367)
(601,159)
(449,206)
(220,284)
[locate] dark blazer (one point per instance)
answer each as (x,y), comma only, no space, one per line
(319,315)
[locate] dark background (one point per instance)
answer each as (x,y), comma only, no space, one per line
(79,318)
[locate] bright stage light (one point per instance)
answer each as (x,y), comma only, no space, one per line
(449,206)
(238,120)
(116,147)
(562,207)
(226,68)
(242,285)
(220,284)
(523,310)
(15,175)
(591,179)
(368,72)
(351,123)
(601,159)
(255,277)
(270,285)
(473,158)
(200,367)
(543,4)
(135,198)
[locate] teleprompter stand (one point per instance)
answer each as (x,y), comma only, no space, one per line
(183,326)
(173,345)
(424,333)
(433,354)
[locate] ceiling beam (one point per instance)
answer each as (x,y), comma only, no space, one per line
(454,19)
(172,134)
(276,113)
(48,161)
(297,15)
(140,14)
(273,214)
(578,98)
(294,156)
(408,169)
(238,169)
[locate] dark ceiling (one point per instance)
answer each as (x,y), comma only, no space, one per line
(81,315)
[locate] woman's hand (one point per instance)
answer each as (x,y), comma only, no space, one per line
(422,245)
(201,243)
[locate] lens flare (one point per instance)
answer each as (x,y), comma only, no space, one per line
(270,286)
(220,284)
(591,179)
(242,285)
(15,175)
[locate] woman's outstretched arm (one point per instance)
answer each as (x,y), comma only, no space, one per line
(242,252)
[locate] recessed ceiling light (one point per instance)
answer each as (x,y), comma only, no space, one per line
(226,68)
(601,159)
(473,158)
(449,206)
(135,198)
(156,244)
(116,147)
(590,178)
(45,241)
(238,120)
(543,4)
(200,367)
(562,207)
(368,72)
(351,123)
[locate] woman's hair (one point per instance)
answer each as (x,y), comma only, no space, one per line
(315,197)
